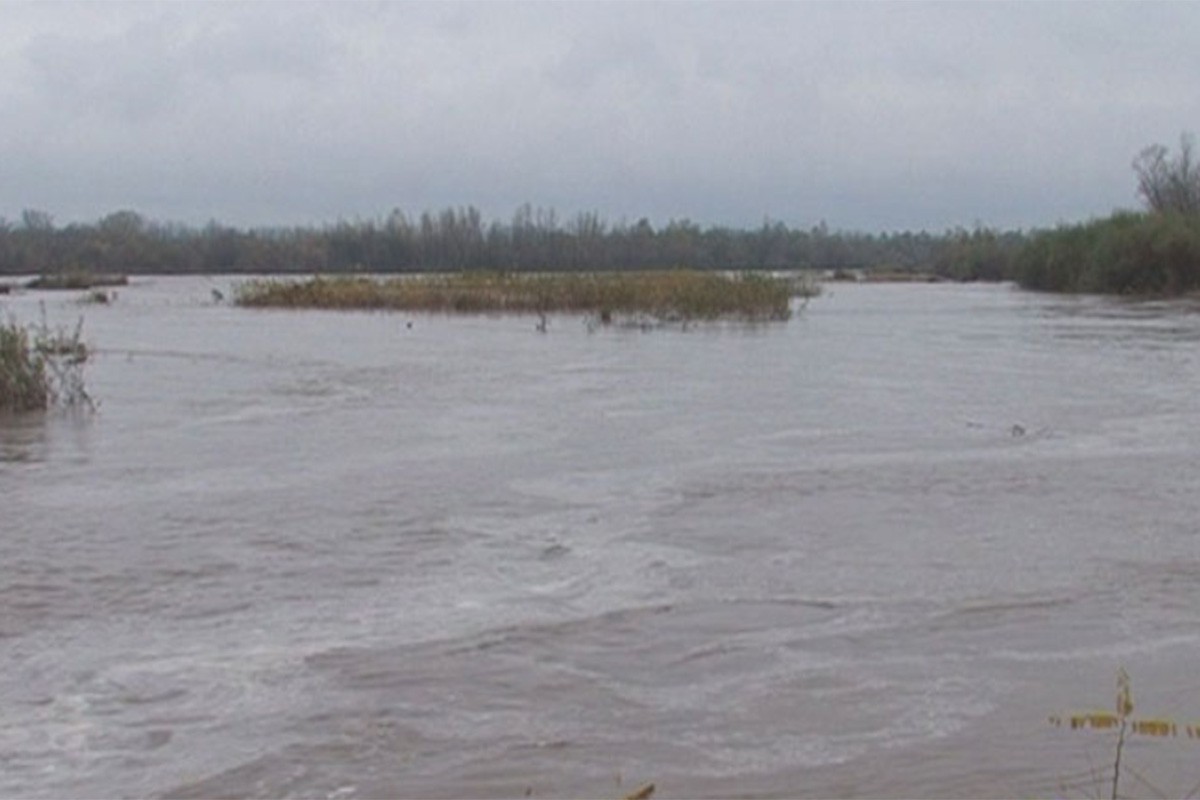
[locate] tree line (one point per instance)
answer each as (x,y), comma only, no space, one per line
(454,239)
(1153,251)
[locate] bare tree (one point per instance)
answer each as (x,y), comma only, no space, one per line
(1169,185)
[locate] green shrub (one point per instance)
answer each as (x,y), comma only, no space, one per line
(1135,254)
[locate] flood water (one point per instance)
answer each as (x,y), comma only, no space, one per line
(863,553)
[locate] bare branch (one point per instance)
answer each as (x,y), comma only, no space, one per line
(1166,185)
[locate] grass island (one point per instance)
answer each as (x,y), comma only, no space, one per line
(667,295)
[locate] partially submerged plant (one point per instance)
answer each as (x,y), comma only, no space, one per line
(65,354)
(73,279)
(24,385)
(42,367)
(1124,724)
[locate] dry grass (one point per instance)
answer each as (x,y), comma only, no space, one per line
(667,295)
(643,793)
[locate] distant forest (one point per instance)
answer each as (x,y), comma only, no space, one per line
(1150,253)
(460,239)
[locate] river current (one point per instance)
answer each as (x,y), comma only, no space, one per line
(863,553)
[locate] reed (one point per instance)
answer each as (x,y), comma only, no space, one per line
(41,368)
(665,295)
(24,384)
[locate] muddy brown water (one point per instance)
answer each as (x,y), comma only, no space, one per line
(866,552)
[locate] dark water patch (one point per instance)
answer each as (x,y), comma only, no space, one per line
(554,552)
(1015,606)
(152,696)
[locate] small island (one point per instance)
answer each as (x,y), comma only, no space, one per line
(76,280)
(667,295)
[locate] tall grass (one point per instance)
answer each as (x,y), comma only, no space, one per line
(24,384)
(41,367)
(676,294)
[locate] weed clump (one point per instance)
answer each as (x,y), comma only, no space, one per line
(668,295)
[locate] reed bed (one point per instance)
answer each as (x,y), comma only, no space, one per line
(666,295)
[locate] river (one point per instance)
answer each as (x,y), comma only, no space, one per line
(863,553)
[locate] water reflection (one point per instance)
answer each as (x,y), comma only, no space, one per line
(1138,324)
(23,437)
(34,436)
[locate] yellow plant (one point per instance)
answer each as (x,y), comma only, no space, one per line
(1124,723)
(643,793)
(1107,720)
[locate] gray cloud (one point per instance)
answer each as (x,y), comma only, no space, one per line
(868,116)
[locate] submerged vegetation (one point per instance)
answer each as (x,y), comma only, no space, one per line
(665,295)
(76,279)
(41,367)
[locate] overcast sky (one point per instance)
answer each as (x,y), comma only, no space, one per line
(870,117)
